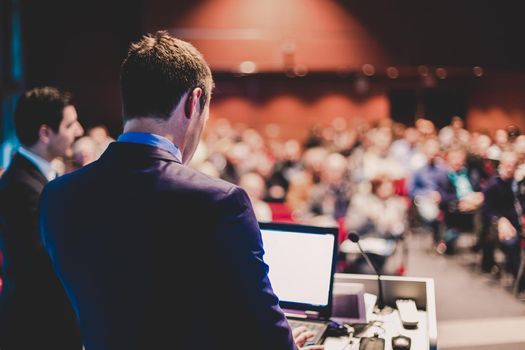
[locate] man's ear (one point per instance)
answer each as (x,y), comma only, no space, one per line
(192,105)
(44,133)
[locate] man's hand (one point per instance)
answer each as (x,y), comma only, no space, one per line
(471,202)
(435,196)
(301,335)
(505,229)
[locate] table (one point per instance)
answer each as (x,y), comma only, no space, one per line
(394,287)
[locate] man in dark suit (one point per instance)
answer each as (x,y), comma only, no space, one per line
(34,310)
(152,253)
(502,214)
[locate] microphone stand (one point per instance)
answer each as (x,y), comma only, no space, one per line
(381,308)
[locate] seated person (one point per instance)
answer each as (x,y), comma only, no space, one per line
(461,197)
(379,213)
(502,212)
(423,188)
(331,196)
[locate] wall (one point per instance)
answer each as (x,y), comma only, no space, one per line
(497,101)
(295,104)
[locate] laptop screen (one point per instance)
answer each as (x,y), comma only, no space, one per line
(302,262)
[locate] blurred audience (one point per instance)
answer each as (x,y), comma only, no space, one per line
(381,180)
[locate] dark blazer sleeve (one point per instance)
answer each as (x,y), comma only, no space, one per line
(21,224)
(449,198)
(490,203)
(239,238)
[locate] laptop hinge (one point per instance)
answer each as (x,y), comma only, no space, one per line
(312,314)
(295,315)
(304,315)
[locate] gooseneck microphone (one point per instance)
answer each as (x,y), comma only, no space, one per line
(382,308)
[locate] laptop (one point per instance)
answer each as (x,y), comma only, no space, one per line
(301,262)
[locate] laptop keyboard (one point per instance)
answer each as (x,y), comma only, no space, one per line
(315,327)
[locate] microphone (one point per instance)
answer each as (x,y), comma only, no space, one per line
(381,307)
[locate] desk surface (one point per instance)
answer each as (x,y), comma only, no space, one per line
(391,327)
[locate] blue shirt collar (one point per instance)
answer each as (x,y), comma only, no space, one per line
(152,140)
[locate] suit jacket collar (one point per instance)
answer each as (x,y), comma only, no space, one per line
(43,165)
(23,164)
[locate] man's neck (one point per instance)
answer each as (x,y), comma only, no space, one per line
(150,126)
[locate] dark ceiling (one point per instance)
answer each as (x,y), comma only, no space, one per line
(79,45)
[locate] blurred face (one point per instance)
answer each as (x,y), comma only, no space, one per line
(84,151)
(507,166)
(431,149)
(501,137)
(61,142)
(412,136)
(254,186)
(456,160)
(483,143)
(334,168)
(98,134)
(385,189)
(457,123)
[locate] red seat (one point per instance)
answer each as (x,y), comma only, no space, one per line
(281,212)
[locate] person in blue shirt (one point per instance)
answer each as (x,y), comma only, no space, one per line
(423,188)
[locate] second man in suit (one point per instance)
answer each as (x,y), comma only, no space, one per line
(34,310)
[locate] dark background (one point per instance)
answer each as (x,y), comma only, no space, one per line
(78,45)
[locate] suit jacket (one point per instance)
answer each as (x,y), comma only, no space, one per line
(500,201)
(34,309)
(155,255)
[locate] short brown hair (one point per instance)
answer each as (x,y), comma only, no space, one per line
(157,72)
(36,107)
(379,180)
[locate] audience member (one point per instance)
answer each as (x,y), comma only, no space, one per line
(461,197)
(285,167)
(35,312)
(84,152)
(502,215)
(454,135)
(426,128)
(376,159)
(100,135)
(380,214)
(331,196)
(254,186)
(501,143)
(478,160)
(424,191)
(298,195)
(406,151)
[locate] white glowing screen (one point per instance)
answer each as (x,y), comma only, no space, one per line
(300,265)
